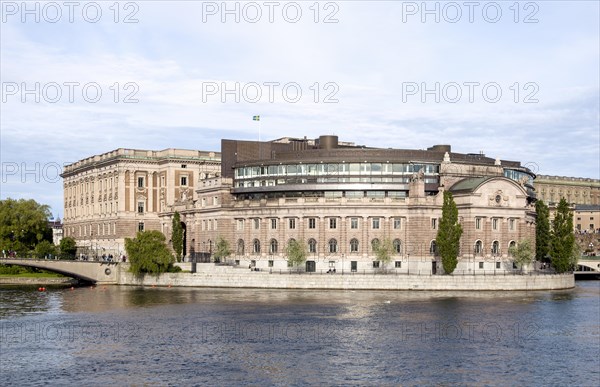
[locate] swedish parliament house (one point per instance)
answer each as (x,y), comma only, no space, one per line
(337,198)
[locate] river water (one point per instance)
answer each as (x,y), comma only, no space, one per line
(117,335)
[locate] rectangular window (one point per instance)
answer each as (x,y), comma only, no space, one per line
(141,226)
(292,223)
(495,224)
(312,223)
(256,223)
(478,223)
(140,207)
(332,223)
(183,180)
(511,224)
(433,223)
(376,223)
(481,265)
(397,223)
(140,182)
(273,224)
(270,263)
(398,264)
(354,223)
(375,264)
(497,265)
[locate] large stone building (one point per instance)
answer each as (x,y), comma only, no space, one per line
(576,190)
(340,199)
(111,196)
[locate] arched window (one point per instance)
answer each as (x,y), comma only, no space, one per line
(375,244)
(292,240)
(273,246)
(333,246)
(511,244)
(398,246)
(354,245)
(312,246)
(256,246)
(478,247)
(240,247)
(495,248)
(433,248)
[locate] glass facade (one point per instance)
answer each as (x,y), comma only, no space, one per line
(272,175)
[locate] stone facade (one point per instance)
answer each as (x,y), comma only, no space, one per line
(109,197)
(575,190)
(258,205)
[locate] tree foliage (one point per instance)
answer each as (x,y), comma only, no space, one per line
(542,230)
(177,236)
(68,248)
(383,251)
(45,249)
(223,249)
(296,252)
(562,244)
(449,233)
(23,224)
(522,253)
(148,253)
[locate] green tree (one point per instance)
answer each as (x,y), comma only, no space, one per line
(177,236)
(449,233)
(68,248)
(383,251)
(542,230)
(23,224)
(522,253)
(296,252)
(223,250)
(45,249)
(148,253)
(562,249)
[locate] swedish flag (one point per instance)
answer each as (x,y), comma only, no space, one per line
(255,118)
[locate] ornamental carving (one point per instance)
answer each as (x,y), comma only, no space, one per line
(498,199)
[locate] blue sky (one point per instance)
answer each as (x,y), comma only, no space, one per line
(378,67)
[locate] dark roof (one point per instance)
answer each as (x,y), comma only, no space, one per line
(468,185)
(587,207)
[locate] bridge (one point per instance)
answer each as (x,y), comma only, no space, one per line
(89,271)
(588,268)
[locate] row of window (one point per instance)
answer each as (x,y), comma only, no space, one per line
(102,229)
(312,223)
(107,208)
(141,181)
(329,180)
(332,246)
(335,169)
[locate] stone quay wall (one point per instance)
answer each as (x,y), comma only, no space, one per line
(209,275)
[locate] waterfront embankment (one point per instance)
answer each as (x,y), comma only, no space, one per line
(210,275)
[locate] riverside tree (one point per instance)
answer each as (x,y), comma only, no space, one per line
(449,233)
(68,248)
(383,251)
(223,250)
(177,236)
(148,253)
(296,252)
(562,244)
(522,253)
(542,230)
(23,224)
